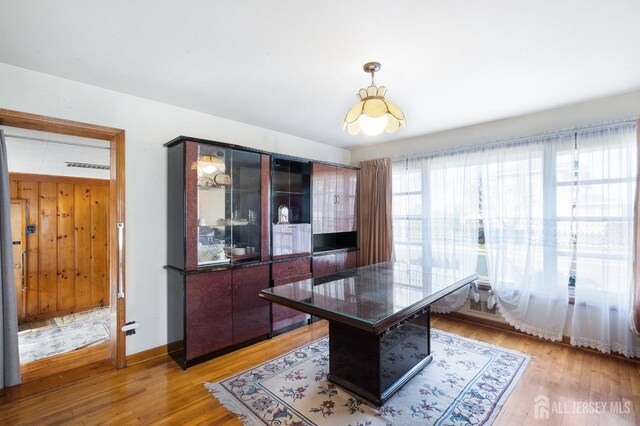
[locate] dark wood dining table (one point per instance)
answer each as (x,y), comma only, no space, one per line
(371,310)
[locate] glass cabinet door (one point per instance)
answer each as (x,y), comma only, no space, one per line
(291,198)
(245,206)
(228,205)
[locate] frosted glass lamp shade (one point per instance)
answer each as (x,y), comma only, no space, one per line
(372,126)
(373,114)
(210,164)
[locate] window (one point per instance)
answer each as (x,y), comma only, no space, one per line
(581,189)
(408,231)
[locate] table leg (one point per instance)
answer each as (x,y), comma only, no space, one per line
(375,366)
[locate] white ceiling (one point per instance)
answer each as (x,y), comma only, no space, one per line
(295,66)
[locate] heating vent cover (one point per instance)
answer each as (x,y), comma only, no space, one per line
(87,165)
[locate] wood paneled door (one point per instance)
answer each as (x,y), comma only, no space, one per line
(67,254)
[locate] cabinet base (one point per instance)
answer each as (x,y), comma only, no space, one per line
(289,328)
(178,355)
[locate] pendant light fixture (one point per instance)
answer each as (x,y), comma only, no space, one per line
(209,164)
(373,114)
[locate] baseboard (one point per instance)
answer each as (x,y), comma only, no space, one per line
(152,353)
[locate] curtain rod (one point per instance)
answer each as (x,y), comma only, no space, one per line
(30,138)
(509,141)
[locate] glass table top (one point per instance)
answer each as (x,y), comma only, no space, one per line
(371,295)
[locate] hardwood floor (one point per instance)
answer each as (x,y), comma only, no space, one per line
(43,368)
(159,392)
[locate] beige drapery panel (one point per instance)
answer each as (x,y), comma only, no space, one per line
(636,240)
(375,233)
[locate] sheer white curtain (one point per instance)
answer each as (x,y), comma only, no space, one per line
(435,205)
(604,243)
(523,238)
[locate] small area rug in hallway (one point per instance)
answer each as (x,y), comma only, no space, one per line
(466,383)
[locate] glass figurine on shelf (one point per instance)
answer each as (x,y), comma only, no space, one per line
(283,214)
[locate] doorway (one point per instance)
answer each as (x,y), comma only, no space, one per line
(113,353)
(63,291)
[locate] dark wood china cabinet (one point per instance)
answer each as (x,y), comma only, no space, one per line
(218,248)
(241,220)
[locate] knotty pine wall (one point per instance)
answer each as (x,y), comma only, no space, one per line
(67,262)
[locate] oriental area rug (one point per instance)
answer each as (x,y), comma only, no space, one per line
(466,384)
(64,334)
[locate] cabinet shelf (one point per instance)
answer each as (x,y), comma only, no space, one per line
(244,257)
(290,193)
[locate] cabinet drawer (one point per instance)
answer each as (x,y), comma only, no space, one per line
(290,268)
(288,280)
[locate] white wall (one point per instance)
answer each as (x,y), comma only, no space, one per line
(148,125)
(597,111)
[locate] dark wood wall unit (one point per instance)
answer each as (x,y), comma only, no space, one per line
(283,318)
(330,263)
(176,250)
(213,302)
(265,187)
(324,265)
(334,199)
(208,313)
(67,259)
(324,198)
(346,191)
(291,268)
(190,205)
(250,313)
(284,273)
(221,311)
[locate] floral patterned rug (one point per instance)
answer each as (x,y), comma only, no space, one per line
(68,333)
(466,384)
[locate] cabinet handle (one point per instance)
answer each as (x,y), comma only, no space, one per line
(338,198)
(24,280)
(335,199)
(120,227)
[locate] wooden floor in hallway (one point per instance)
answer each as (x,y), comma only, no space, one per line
(157,391)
